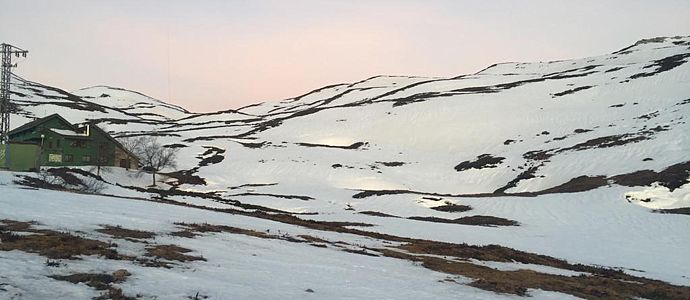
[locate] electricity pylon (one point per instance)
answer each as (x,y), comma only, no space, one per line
(6,50)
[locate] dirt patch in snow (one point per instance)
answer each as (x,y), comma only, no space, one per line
(572,91)
(95,280)
(391,163)
(482,161)
(212,155)
(185,177)
(100,281)
(123,233)
(578,184)
(377,214)
(527,174)
(602,284)
(663,65)
(672,177)
(679,211)
(49,243)
(298,197)
(172,253)
(195,229)
(451,207)
(488,221)
(353,146)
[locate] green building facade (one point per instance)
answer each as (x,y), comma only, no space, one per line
(24,156)
(63,144)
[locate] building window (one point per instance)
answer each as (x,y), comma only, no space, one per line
(86,158)
(57,143)
(50,145)
(78,144)
(68,158)
(56,158)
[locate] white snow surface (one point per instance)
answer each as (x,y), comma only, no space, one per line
(605,116)
(238,267)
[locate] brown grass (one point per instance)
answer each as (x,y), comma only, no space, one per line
(94,280)
(124,233)
(195,229)
(99,281)
(478,220)
(451,207)
(377,214)
(51,244)
(11,225)
(172,253)
(602,284)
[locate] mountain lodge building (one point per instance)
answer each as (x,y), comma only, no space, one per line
(61,143)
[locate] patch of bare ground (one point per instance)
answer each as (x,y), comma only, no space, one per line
(587,287)
(353,146)
(601,284)
(123,233)
(377,214)
(671,177)
(488,221)
(196,229)
(172,253)
(298,197)
(663,65)
(186,177)
(571,91)
(578,184)
(452,207)
(12,225)
(51,244)
(212,155)
(680,211)
(482,161)
(95,280)
(391,163)
(313,239)
(100,281)
(191,230)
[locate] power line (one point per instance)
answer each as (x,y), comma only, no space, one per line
(7,50)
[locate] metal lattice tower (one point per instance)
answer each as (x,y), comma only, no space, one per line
(6,50)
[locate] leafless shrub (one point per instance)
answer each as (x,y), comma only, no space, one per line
(152,155)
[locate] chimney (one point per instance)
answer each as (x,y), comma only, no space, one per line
(86,130)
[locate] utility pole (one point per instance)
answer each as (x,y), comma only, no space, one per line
(6,50)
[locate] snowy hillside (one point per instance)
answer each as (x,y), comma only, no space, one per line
(573,159)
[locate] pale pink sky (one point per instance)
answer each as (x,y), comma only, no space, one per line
(211,55)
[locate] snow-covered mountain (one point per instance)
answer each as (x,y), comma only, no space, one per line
(574,154)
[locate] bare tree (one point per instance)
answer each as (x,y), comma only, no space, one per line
(153,157)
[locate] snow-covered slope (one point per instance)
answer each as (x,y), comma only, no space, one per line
(565,149)
(134,103)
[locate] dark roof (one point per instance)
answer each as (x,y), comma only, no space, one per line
(112,139)
(40,121)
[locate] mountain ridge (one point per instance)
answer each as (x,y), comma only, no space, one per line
(562,166)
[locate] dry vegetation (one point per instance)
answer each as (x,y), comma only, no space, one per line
(101,281)
(171,253)
(49,243)
(124,233)
(451,207)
